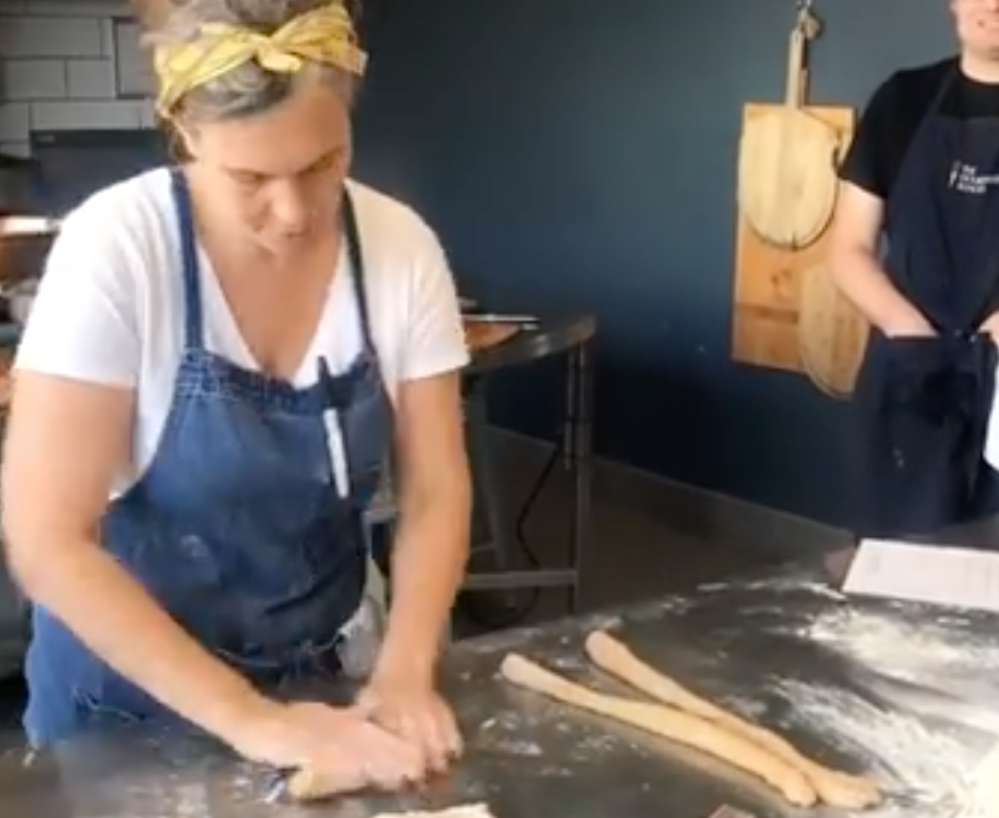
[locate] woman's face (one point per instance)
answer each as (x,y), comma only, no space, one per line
(280,173)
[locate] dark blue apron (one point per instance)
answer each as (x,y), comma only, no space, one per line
(923,403)
(237,528)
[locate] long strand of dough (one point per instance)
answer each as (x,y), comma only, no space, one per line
(470,811)
(680,727)
(305,784)
(836,788)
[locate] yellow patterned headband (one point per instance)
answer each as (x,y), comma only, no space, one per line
(324,35)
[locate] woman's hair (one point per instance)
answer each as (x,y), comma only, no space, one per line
(248,89)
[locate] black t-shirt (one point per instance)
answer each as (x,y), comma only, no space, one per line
(893,114)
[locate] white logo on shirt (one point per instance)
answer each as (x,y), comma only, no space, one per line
(965,178)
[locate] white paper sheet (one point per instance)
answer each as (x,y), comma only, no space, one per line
(939,575)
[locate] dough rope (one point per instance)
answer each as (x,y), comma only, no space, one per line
(669,723)
(835,788)
(304,786)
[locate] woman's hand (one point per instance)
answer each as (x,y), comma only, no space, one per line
(410,707)
(337,744)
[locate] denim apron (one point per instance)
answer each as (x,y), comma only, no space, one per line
(923,404)
(238,528)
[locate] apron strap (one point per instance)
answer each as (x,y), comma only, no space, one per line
(190,268)
(356,258)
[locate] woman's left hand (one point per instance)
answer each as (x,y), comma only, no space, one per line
(413,710)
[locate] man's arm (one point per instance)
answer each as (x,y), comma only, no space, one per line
(858,272)
(866,180)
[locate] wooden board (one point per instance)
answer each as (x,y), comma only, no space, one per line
(832,333)
(765,302)
(483,335)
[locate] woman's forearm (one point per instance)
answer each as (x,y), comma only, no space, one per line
(429,556)
(118,620)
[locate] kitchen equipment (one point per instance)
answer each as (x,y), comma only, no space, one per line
(6,365)
(832,333)
(18,185)
(28,227)
(20,298)
(480,336)
(22,256)
(526,321)
(768,278)
(787,181)
(25,238)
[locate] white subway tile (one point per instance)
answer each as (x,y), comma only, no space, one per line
(79,8)
(32,79)
(19,149)
(15,122)
(51,37)
(133,63)
(148,108)
(107,37)
(91,79)
(77,115)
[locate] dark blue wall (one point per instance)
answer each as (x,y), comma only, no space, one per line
(580,155)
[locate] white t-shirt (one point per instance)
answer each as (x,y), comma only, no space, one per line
(110,306)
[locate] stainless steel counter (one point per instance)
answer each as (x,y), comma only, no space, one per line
(783,649)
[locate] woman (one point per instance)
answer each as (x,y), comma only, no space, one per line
(227,352)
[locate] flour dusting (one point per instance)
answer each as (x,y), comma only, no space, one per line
(504,734)
(944,649)
(918,768)
(654,610)
(190,801)
(751,709)
(778,584)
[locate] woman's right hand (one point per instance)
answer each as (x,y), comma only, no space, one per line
(337,744)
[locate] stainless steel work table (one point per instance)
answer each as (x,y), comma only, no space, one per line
(777,648)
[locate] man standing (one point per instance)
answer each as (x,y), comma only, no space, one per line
(916,249)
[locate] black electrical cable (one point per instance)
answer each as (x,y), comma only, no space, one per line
(487,616)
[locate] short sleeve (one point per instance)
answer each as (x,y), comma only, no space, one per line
(82,323)
(868,163)
(434,338)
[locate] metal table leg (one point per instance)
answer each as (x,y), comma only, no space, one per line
(579,458)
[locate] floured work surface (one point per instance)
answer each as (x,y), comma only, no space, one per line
(781,651)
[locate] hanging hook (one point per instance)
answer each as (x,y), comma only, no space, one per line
(808,23)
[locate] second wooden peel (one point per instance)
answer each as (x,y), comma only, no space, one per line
(835,788)
(669,723)
(832,333)
(787,182)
